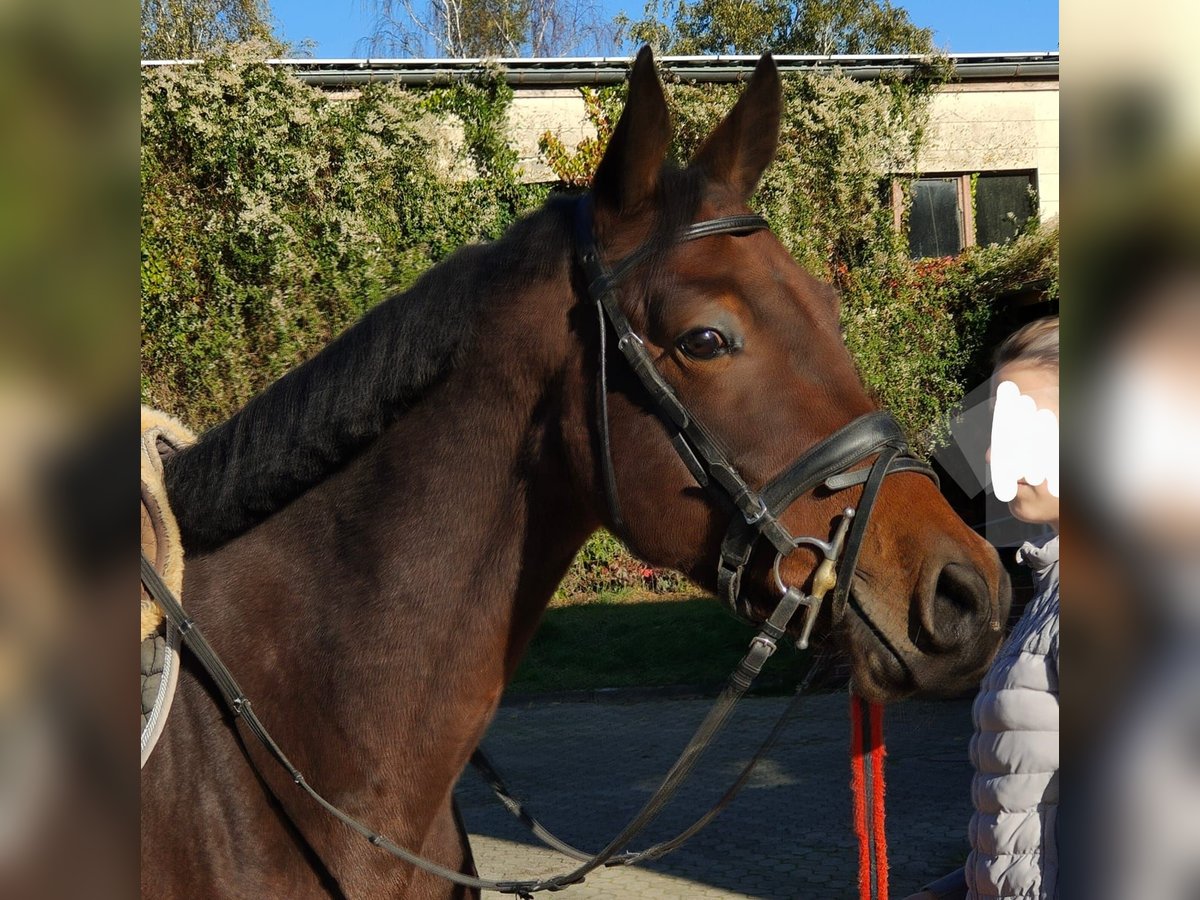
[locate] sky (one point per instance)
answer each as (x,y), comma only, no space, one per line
(338,27)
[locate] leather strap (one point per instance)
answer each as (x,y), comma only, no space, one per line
(733,225)
(900,464)
(821,465)
(836,453)
(609,473)
(858,530)
(495,780)
(762,647)
(699,450)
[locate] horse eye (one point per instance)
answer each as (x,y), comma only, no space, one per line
(703,343)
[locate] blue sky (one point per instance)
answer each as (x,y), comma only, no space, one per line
(960,26)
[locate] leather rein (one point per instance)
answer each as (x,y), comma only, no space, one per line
(826,465)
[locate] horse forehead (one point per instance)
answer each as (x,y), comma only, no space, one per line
(754,274)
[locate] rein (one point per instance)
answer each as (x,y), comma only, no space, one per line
(761,648)
(827,465)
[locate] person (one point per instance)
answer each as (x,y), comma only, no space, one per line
(1014,750)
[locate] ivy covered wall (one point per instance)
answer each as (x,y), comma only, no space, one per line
(273,216)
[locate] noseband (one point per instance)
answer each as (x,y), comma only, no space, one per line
(829,465)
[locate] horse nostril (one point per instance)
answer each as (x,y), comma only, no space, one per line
(953,612)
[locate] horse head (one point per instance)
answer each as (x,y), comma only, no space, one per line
(743,368)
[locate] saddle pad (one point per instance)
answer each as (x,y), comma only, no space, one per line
(161,436)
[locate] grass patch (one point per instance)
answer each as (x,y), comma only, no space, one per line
(637,639)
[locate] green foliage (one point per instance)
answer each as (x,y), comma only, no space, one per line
(273,217)
(481,107)
(838,138)
(574,168)
(604,565)
(917,328)
(781,26)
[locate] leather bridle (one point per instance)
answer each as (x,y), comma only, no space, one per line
(828,465)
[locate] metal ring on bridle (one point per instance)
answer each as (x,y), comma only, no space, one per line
(829,550)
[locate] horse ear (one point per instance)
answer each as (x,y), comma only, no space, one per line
(743,145)
(628,174)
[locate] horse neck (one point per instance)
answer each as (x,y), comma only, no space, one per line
(379,615)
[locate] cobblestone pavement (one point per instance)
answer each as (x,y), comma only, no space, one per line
(585,768)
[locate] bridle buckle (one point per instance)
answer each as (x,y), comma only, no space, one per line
(755,515)
(766,643)
(629,338)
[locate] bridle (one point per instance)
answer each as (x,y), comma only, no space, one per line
(827,465)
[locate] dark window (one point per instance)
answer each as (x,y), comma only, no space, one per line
(935,220)
(950,212)
(1002,207)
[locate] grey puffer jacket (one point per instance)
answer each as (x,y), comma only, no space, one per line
(1015,751)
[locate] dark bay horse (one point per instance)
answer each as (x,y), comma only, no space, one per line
(373,539)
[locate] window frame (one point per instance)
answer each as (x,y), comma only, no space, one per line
(966,209)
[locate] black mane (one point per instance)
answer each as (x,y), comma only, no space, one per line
(317,417)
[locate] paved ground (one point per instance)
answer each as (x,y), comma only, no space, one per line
(585,768)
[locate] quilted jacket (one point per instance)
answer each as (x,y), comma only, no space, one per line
(1015,751)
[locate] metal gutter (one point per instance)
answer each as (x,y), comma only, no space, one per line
(332,73)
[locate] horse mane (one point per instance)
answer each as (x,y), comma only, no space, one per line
(323,413)
(320,415)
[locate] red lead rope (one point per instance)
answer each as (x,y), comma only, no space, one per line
(866,785)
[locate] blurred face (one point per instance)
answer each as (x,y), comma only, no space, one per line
(1145,423)
(1033,503)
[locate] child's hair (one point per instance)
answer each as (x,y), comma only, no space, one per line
(1035,343)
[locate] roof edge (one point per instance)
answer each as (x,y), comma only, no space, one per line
(610,69)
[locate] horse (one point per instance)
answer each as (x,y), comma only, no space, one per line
(372,540)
